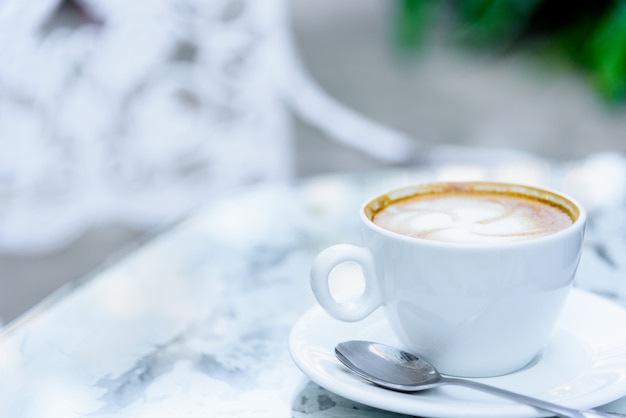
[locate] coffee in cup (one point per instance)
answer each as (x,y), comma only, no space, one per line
(464,214)
(472,276)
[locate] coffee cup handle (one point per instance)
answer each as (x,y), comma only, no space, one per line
(325,262)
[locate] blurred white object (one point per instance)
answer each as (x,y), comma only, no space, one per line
(132,115)
(134,112)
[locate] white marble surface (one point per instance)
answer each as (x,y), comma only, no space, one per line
(196,322)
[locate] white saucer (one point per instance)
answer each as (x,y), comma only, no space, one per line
(583,365)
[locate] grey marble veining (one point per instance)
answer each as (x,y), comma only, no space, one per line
(196,323)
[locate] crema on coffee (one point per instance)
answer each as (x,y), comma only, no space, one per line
(464,215)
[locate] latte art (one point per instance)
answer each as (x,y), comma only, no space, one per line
(473,217)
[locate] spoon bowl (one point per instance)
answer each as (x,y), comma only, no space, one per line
(387,366)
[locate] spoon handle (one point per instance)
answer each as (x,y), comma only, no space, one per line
(558,410)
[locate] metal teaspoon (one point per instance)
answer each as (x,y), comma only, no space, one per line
(398,370)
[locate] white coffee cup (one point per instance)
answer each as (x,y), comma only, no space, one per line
(471,309)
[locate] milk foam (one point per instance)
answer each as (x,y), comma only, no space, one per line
(473,218)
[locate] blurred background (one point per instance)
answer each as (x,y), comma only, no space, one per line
(118,119)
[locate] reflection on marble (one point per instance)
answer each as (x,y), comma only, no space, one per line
(315,401)
(196,323)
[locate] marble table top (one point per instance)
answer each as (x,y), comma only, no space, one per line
(196,322)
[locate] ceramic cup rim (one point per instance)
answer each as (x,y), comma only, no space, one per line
(563,199)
